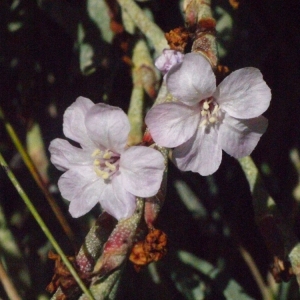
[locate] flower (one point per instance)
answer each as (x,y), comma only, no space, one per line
(168,59)
(103,169)
(207,119)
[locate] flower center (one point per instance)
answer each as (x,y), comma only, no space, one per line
(209,112)
(106,163)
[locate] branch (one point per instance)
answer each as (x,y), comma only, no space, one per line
(147,27)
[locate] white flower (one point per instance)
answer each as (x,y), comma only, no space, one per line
(103,169)
(207,118)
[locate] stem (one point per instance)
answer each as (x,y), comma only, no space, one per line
(199,20)
(278,235)
(135,115)
(144,80)
(149,29)
(135,111)
(8,284)
(265,291)
(43,226)
(38,179)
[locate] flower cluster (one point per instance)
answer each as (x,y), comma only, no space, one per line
(203,120)
(103,169)
(206,118)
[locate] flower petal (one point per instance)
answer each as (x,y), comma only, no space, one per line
(168,59)
(172,124)
(126,201)
(192,80)
(73,126)
(64,155)
(108,127)
(80,206)
(239,137)
(244,94)
(116,201)
(201,153)
(142,170)
(82,187)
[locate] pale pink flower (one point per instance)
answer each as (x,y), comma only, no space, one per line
(207,119)
(168,59)
(103,169)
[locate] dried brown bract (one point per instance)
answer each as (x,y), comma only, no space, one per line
(153,248)
(177,38)
(64,279)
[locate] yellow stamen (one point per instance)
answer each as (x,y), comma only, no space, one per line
(98,172)
(96,152)
(212,120)
(97,162)
(205,105)
(215,110)
(110,166)
(105,175)
(107,155)
(203,113)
